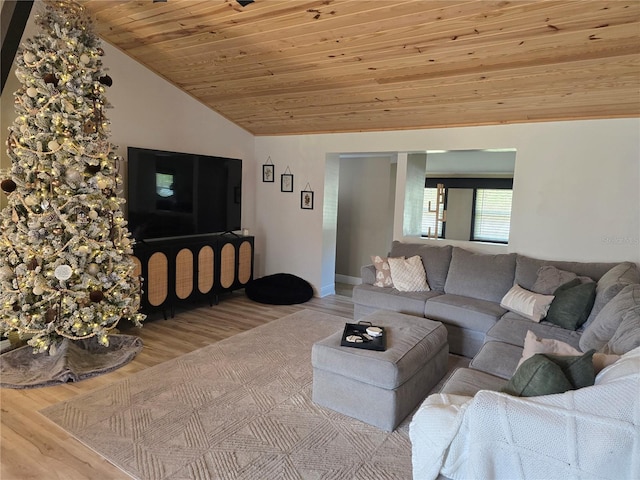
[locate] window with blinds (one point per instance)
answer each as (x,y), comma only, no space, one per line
(429,218)
(492,215)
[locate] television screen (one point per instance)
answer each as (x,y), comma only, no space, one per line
(173,194)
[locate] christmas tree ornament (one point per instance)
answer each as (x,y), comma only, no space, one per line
(96,296)
(93,169)
(63,272)
(84,58)
(53,145)
(72,175)
(106,80)
(93,269)
(32,92)
(28,57)
(38,290)
(90,127)
(50,315)
(50,78)
(32,264)
(7,185)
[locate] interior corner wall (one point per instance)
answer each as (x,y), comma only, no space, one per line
(150,112)
(576,189)
(365,213)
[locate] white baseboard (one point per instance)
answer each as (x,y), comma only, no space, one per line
(348,279)
(327,290)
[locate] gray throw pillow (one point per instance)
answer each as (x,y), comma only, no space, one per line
(601,330)
(550,278)
(480,275)
(627,335)
(572,304)
(610,284)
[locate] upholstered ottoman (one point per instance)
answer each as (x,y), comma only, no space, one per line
(381,388)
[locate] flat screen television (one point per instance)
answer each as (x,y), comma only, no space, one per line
(173,194)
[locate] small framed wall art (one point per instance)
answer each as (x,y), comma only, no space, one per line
(306,199)
(286,181)
(268,173)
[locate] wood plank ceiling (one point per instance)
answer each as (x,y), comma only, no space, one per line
(299,66)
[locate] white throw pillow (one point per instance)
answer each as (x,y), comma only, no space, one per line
(408,274)
(534,344)
(533,306)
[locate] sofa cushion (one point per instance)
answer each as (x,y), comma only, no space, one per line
(549,374)
(572,304)
(497,358)
(512,328)
(530,305)
(601,330)
(468,382)
(383,271)
(411,303)
(479,275)
(610,284)
(408,274)
(527,269)
(627,335)
(436,260)
(465,312)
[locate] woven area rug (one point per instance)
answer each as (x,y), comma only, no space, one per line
(237,409)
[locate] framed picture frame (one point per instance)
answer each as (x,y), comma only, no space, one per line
(286,182)
(268,173)
(306,200)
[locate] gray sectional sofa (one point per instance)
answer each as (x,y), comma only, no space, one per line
(466,289)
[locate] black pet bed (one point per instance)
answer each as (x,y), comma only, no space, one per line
(279,289)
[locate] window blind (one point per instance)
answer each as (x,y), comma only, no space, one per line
(492,217)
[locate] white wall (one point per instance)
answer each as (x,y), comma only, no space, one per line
(365,211)
(576,190)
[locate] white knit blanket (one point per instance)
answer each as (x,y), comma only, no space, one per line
(590,433)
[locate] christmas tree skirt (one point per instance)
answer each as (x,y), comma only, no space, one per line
(71,362)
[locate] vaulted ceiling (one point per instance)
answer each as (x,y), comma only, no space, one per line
(300,66)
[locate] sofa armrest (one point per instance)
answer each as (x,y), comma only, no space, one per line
(495,435)
(368,274)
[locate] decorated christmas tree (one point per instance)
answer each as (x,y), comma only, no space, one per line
(65,264)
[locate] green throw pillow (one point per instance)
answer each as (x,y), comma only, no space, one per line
(548,374)
(572,304)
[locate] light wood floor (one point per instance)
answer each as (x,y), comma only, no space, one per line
(31,447)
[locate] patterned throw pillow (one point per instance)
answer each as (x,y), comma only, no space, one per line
(408,274)
(383,272)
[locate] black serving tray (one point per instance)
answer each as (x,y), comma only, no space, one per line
(360,328)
